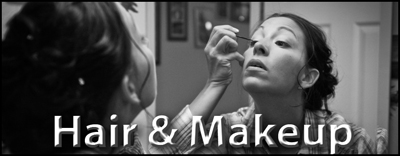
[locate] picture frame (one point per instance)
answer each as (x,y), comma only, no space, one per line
(157,32)
(240,12)
(395,57)
(177,20)
(203,18)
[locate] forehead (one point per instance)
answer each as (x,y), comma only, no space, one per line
(277,22)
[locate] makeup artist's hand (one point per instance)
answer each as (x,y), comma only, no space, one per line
(220,50)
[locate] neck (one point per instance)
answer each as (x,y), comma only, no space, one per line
(279,111)
(126,113)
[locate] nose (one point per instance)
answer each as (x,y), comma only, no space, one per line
(260,49)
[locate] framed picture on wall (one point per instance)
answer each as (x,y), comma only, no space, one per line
(240,11)
(203,25)
(177,20)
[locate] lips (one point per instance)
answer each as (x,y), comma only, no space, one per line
(256,63)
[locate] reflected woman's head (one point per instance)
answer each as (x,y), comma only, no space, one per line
(293,55)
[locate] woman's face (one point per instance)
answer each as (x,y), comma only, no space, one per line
(274,61)
(143,73)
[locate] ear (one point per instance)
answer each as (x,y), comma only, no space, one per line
(129,91)
(308,78)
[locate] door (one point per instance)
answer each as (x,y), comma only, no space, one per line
(359,36)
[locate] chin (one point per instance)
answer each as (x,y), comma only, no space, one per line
(148,100)
(253,85)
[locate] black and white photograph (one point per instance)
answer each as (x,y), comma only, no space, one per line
(200,77)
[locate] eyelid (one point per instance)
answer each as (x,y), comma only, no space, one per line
(252,42)
(286,44)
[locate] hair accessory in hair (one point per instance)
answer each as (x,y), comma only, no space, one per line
(29,37)
(81,81)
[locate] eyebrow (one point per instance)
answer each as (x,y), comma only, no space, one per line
(282,27)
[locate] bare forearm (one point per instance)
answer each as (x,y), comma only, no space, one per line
(220,51)
(207,99)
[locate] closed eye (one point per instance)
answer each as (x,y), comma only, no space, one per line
(282,44)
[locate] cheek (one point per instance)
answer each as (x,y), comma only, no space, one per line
(287,65)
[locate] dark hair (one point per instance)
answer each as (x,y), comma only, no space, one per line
(318,55)
(66,59)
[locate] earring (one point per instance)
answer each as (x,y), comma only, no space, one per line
(300,88)
(81,81)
